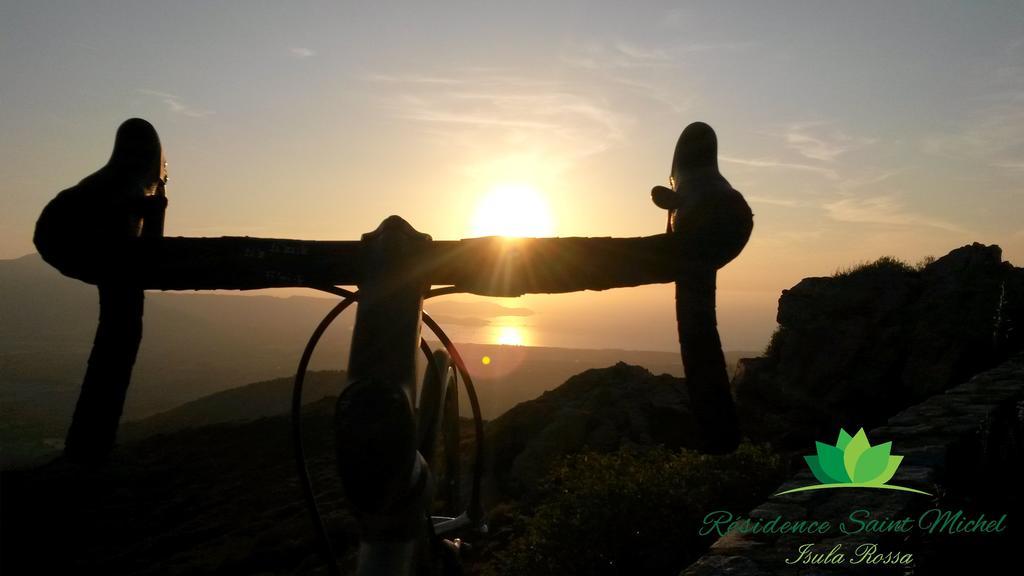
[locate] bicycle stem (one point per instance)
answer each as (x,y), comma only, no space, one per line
(384,476)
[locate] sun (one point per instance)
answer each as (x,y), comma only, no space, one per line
(510,336)
(517,210)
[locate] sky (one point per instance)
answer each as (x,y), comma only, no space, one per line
(854,129)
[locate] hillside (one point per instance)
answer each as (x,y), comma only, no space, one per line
(191,497)
(250,402)
(216,499)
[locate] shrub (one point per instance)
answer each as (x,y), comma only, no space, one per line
(774,343)
(924,263)
(633,511)
(883,264)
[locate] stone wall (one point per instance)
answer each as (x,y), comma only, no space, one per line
(965,447)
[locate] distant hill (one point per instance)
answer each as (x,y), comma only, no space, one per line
(250,402)
(516,374)
(530,372)
(34,415)
(534,371)
(194,344)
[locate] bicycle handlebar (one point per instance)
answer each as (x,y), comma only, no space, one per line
(489,266)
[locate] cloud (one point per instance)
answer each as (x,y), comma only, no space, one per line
(639,53)
(625,55)
(868,177)
(883,210)
(673,101)
(788,239)
(1016,166)
(780,165)
(649,69)
(773,201)
(1014,47)
(477,108)
(415,79)
(993,135)
(992,132)
(818,146)
(175,104)
(620,55)
(812,140)
(300,52)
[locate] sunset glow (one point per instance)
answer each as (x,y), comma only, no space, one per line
(510,336)
(534,122)
(518,210)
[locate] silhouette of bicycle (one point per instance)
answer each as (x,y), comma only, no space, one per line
(437,418)
(377,423)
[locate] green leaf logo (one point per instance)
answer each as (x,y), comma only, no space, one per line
(853,463)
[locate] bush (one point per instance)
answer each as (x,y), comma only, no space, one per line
(633,511)
(774,343)
(883,264)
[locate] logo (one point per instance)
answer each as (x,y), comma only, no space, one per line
(853,463)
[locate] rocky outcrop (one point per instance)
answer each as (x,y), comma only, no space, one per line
(598,410)
(854,348)
(851,350)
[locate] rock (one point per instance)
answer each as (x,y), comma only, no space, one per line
(857,347)
(952,337)
(599,410)
(1010,335)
